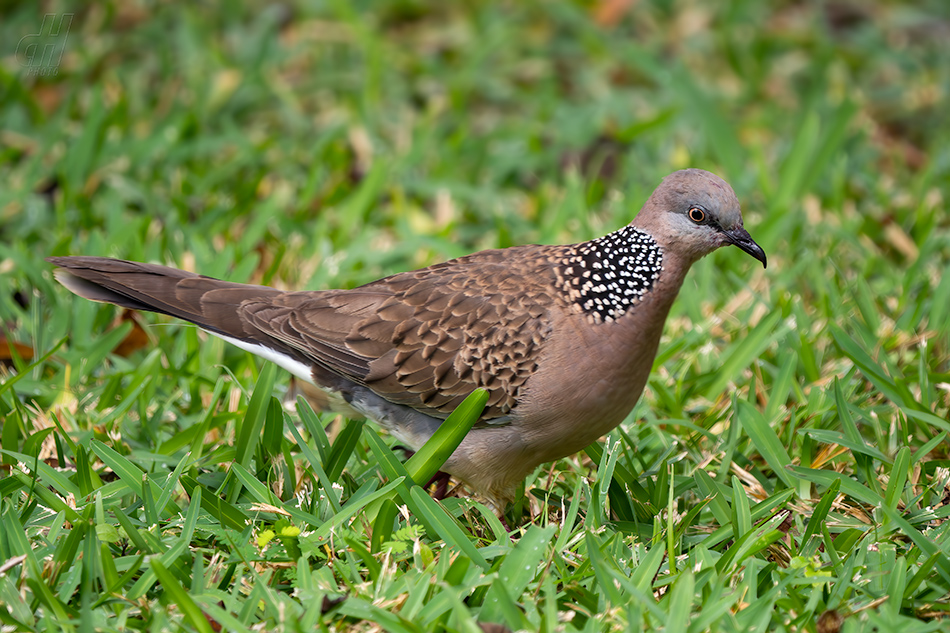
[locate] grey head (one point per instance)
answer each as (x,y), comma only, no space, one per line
(692,213)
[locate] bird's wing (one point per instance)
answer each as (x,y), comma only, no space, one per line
(425,339)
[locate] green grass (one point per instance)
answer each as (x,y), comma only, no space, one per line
(788,464)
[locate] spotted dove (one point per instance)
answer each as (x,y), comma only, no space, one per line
(562,337)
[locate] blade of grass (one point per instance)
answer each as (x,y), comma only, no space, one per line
(229,516)
(427,461)
(818,515)
(179,596)
(766,441)
(249,431)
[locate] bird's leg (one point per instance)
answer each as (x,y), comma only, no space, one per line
(441,481)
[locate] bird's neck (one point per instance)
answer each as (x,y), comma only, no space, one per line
(644,328)
(609,276)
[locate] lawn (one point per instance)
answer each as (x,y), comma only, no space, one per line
(787,468)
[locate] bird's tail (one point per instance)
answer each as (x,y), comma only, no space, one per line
(210,303)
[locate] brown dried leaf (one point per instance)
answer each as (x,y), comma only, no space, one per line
(7,347)
(608,13)
(135,340)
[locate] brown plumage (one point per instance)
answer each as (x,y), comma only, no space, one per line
(562,337)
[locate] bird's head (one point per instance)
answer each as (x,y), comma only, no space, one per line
(693,212)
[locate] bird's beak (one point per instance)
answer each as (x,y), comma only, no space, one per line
(741,238)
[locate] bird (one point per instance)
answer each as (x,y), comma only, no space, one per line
(562,337)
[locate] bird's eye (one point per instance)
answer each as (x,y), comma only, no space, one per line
(697,215)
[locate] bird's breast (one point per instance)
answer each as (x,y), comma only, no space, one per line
(588,380)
